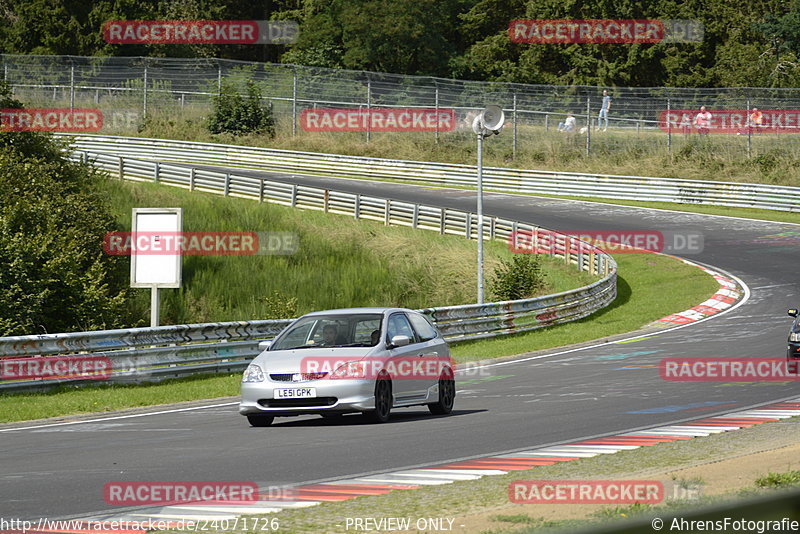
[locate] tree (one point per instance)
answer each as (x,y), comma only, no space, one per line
(54,275)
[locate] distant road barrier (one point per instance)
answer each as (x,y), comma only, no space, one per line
(146,354)
(700,192)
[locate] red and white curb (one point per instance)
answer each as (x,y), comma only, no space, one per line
(379,484)
(725,297)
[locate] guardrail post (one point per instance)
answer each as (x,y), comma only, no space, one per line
(468,226)
(388,210)
(227,183)
(592,265)
(357,207)
(261,186)
(415,216)
(325,200)
(294,195)
(443,221)
(156,172)
(191,179)
(492,223)
(121,168)
(567,249)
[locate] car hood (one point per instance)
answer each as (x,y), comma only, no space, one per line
(306,360)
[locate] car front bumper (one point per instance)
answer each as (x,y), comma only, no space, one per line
(332,396)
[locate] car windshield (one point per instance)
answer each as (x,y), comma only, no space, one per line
(357,330)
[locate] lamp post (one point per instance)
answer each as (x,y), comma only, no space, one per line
(488,122)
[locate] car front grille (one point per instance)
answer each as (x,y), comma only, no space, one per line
(297,377)
(298,403)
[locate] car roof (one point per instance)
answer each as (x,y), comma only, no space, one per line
(355,311)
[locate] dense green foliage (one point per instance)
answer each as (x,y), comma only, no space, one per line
(238,115)
(54,275)
(518,278)
(749,43)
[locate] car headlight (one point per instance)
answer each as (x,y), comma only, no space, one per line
(794,336)
(350,370)
(253,373)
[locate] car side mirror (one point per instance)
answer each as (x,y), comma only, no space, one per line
(400,341)
(264,345)
(793,312)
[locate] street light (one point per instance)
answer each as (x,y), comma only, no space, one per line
(488,122)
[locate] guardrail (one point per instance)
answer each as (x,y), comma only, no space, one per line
(500,179)
(140,354)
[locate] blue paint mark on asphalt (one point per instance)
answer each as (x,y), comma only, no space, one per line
(669,409)
(626,355)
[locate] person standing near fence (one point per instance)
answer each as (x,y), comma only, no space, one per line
(604,108)
(702,121)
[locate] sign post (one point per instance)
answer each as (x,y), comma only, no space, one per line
(155,258)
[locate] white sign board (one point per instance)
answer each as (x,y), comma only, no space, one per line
(154,266)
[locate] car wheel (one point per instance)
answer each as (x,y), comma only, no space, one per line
(383,400)
(447,394)
(260,420)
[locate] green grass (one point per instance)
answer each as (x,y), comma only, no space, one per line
(649,287)
(340,262)
(72,400)
(779,480)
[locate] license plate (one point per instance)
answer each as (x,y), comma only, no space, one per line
(295,393)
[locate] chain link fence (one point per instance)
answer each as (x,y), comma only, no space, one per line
(130,90)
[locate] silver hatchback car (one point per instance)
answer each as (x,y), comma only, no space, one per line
(334,362)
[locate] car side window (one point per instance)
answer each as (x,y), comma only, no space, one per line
(399,326)
(424,329)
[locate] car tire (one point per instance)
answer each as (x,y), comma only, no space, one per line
(260,420)
(383,400)
(447,394)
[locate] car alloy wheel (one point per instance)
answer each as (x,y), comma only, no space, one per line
(447,394)
(383,400)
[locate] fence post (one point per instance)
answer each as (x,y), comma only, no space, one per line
(588,124)
(369,109)
(514,142)
(546,122)
(294,101)
(749,130)
(294,195)
(121,168)
(415,217)
(669,129)
(443,221)
(71,87)
(357,207)
(387,211)
(144,92)
(227,183)
(191,179)
(5,69)
(219,79)
(325,198)
(156,172)
(261,185)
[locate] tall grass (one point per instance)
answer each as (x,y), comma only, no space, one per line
(340,262)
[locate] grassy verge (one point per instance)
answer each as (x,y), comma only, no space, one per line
(649,287)
(340,262)
(468,501)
